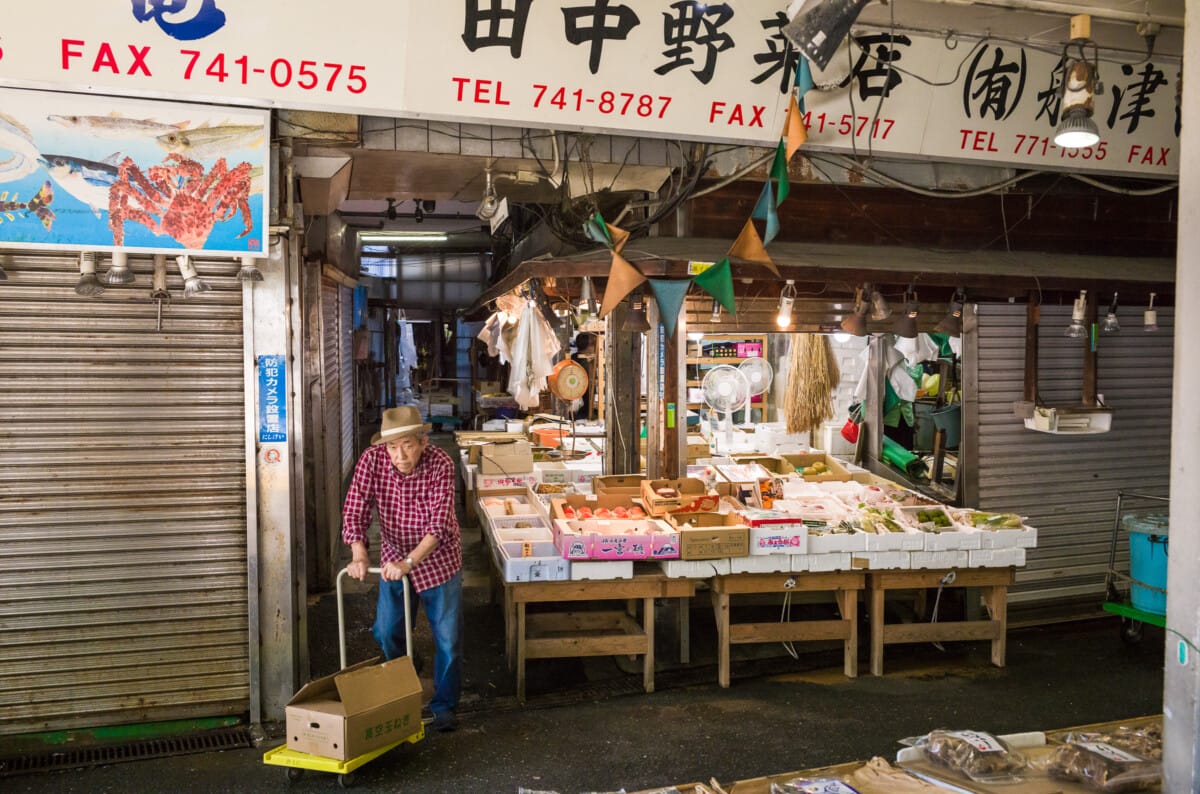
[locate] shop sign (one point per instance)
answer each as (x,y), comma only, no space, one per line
(272,400)
(86,172)
(682,70)
(995,103)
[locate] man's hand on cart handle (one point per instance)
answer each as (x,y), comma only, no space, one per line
(358,569)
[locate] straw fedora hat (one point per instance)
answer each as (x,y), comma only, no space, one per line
(398,423)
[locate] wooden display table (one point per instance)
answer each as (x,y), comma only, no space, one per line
(845,586)
(993,582)
(617,632)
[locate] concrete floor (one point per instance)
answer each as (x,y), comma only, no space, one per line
(587,725)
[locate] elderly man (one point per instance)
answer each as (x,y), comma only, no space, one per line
(411,484)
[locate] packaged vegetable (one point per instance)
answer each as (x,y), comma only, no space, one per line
(1103,767)
(980,756)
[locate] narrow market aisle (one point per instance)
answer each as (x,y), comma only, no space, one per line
(1058,676)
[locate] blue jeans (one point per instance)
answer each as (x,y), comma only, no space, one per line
(443,608)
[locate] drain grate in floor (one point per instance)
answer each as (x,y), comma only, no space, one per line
(208,741)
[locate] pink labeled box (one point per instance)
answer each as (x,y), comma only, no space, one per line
(749,349)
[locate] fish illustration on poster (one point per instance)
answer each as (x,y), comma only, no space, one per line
(97,173)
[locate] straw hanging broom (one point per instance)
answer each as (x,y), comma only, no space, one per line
(812,376)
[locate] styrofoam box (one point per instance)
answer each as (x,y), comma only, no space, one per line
(1007,538)
(514,522)
(995,558)
(695,569)
(909,540)
(952,540)
(490,482)
(883,560)
(544,564)
(541,532)
(939,559)
(762,563)
(827,562)
(601,569)
(778,539)
(836,543)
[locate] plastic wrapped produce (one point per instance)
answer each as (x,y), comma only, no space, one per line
(978,755)
(824,785)
(1143,740)
(1103,767)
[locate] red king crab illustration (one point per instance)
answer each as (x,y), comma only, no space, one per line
(186,201)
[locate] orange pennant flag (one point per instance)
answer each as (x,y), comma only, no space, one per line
(623,278)
(794,130)
(620,236)
(749,246)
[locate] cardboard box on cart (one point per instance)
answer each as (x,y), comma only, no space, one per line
(356,710)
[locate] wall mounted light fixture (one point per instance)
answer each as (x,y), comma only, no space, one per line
(1077,93)
(856,323)
(1150,316)
(1077,329)
(907,327)
(951,324)
(1111,323)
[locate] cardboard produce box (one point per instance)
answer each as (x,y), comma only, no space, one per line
(691,496)
(773,463)
(603,506)
(833,472)
(707,536)
(356,710)
(628,484)
(513,457)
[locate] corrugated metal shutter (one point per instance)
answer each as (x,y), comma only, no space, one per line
(123,591)
(331,352)
(1067,484)
(346,308)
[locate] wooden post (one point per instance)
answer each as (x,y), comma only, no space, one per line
(622,394)
(674,413)
(1033,312)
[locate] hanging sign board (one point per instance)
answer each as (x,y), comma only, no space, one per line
(259,52)
(995,103)
(681,70)
(272,400)
(95,173)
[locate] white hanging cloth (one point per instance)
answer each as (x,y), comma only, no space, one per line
(531,353)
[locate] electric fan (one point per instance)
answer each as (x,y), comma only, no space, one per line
(758,374)
(725,389)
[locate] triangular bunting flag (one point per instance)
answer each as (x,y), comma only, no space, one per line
(670,295)
(618,236)
(764,210)
(804,81)
(623,278)
(718,282)
(749,246)
(795,133)
(780,175)
(596,229)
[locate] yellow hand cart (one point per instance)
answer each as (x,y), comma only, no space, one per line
(295,761)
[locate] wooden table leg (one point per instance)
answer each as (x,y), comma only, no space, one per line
(510,628)
(648,660)
(721,608)
(685,631)
(848,605)
(521,652)
(997,604)
(877,631)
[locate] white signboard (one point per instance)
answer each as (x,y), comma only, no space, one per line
(996,103)
(228,51)
(678,69)
(695,71)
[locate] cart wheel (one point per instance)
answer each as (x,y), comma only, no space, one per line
(294,773)
(1131,631)
(346,780)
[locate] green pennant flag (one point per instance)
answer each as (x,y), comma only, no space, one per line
(669,295)
(596,229)
(718,282)
(779,173)
(764,210)
(804,80)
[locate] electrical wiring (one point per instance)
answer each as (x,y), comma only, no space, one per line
(1150,191)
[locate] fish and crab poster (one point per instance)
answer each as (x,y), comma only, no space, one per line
(98,173)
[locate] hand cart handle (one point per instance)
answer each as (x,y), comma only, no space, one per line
(342,615)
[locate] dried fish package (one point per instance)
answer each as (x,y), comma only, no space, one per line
(980,756)
(1103,767)
(825,785)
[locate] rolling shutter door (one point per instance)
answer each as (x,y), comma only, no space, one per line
(1067,484)
(123,592)
(331,372)
(346,308)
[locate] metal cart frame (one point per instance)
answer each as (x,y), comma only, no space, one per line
(1133,620)
(295,761)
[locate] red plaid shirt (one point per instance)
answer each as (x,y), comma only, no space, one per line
(411,506)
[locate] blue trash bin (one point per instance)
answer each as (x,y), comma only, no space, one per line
(1148,547)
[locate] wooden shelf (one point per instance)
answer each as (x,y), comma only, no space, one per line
(717,360)
(708,361)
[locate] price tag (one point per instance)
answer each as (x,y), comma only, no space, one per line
(1110,752)
(983,742)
